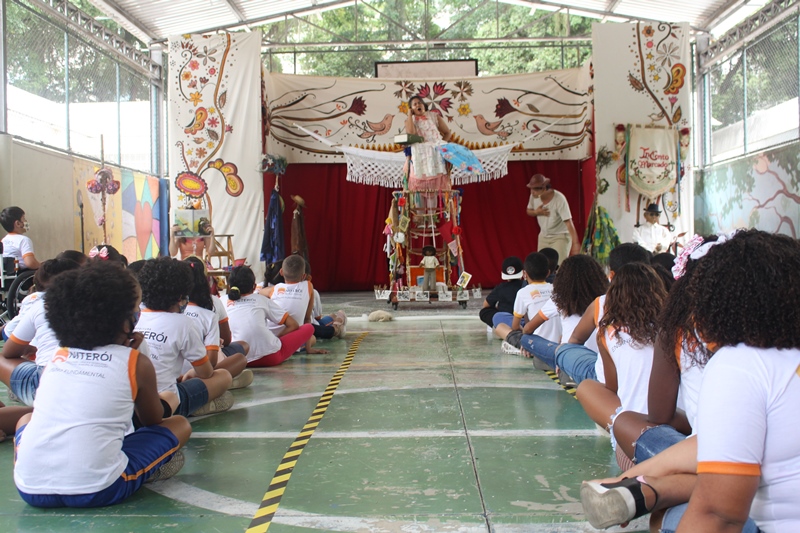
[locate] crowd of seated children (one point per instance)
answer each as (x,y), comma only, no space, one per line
(87,397)
(580,280)
(529,299)
(577,359)
(201,310)
(250,314)
(739,472)
(16,244)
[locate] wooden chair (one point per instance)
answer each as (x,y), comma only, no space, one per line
(222,252)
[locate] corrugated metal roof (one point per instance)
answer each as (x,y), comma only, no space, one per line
(156,20)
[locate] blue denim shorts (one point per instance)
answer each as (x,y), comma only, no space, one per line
(673,516)
(147,449)
(193,394)
(655,440)
(25,380)
(233,348)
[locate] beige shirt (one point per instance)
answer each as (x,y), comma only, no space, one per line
(559,212)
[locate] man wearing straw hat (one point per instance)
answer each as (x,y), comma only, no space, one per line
(551,210)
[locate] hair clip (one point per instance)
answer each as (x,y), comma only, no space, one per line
(102,253)
(234,288)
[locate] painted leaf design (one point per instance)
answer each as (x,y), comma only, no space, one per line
(223,99)
(635,83)
(533,108)
(677,116)
(213,135)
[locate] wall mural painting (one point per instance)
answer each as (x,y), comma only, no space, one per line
(758,191)
(141,215)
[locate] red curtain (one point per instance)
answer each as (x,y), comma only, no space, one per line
(344,220)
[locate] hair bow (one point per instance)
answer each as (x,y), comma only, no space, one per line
(102,252)
(696,249)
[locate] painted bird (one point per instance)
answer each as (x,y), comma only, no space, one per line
(488,128)
(377,128)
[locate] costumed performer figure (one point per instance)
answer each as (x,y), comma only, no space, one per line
(428,170)
(429,263)
(651,235)
(551,210)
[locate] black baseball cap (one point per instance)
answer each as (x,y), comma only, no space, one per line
(512,268)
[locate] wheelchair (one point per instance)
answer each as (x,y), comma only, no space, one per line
(14,287)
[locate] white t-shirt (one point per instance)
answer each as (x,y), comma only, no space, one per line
(591,343)
(316,309)
(33,328)
(17,246)
(171,338)
(551,329)
(552,224)
(689,389)
(292,298)
(24,307)
(219,309)
(83,407)
(248,321)
(649,235)
(633,362)
(206,322)
(747,425)
(531,298)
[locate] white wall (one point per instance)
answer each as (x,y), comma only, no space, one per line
(39,181)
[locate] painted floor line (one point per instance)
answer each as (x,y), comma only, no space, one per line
(411,434)
(544,385)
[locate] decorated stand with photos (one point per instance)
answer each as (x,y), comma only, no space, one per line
(419,220)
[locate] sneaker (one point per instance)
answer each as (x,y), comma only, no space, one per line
(565,380)
(168,469)
(242,380)
(538,364)
(217,405)
(510,349)
(611,504)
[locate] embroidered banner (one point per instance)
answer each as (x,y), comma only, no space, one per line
(215,134)
(652,160)
(366,114)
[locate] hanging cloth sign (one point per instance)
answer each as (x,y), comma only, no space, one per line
(652,160)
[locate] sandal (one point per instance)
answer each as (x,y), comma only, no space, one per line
(611,504)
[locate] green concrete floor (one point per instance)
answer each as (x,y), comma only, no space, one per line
(432,428)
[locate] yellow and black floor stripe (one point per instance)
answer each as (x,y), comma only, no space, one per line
(554,376)
(272,499)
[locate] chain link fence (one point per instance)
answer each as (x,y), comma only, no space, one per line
(66,93)
(753,96)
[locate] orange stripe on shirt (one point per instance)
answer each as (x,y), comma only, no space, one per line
(733,469)
(199,362)
(596,311)
(28,254)
(16,339)
(285,316)
(132,373)
(212,348)
(224,320)
(519,316)
(543,316)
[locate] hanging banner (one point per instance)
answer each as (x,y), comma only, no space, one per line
(483,113)
(214,123)
(652,160)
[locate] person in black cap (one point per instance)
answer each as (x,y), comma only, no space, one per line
(501,299)
(551,210)
(430,264)
(651,235)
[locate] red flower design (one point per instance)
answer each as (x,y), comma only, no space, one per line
(456,230)
(445,103)
(194,65)
(438,89)
(358,106)
(213,122)
(401,202)
(424,91)
(503,108)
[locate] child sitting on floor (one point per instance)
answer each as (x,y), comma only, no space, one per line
(172,338)
(75,449)
(530,298)
(501,299)
(249,314)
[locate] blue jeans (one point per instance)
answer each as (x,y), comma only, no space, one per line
(501,317)
(233,348)
(193,394)
(577,361)
(655,440)
(540,348)
(674,514)
(24,381)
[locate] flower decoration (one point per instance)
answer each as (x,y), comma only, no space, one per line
(464,110)
(503,108)
(358,106)
(406,89)
(678,75)
(93,186)
(401,202)
(233,183)
(196,98)
(191,184)
(462,90)
(456,230)
(648,31)
(199,122)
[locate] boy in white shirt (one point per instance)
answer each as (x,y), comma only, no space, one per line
(530,298)
(16,244)
(651,235)
(173,337)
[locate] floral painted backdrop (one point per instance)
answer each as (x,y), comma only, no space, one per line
(758,191)
(481,112)
(214,123)
(641,78)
